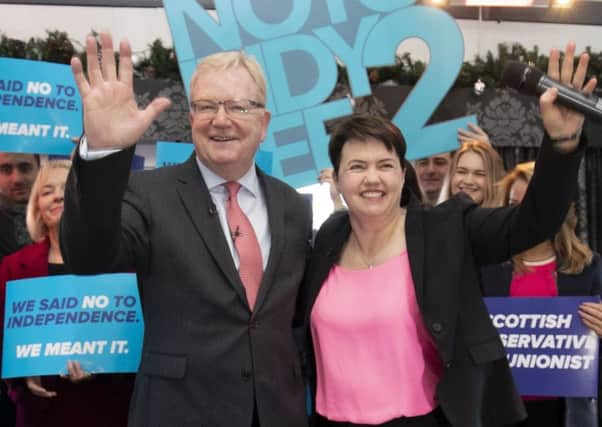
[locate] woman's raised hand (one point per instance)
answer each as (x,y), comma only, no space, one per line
(562,123)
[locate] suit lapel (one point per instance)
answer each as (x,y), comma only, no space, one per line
(201,210)
(415,246)
(275,205)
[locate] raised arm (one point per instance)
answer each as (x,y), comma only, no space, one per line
(100,232)
(111,116)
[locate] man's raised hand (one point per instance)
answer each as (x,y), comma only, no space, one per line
(111,116)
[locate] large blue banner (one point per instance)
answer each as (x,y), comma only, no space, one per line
(550,350)
(95,320)
(298,44)
(40,107)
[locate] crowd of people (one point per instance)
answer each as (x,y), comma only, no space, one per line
(379,314)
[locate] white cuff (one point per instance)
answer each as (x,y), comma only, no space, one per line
(86,154)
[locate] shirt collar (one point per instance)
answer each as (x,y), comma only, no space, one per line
(213,181)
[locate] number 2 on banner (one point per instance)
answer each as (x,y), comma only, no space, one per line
(446,47)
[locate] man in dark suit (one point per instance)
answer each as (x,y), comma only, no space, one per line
(218,270)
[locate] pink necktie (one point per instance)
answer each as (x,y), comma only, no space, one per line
(245,241)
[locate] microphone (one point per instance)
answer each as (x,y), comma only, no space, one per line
(531,81)
(235,234)
(212,209)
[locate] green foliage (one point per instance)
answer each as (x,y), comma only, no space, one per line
(12,48)
(489,69)
(160,62)
(56,47)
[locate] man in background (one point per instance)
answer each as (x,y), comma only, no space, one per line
(17,173)
(431,172)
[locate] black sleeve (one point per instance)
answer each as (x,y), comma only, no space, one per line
(104,219)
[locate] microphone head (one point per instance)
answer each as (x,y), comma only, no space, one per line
(521,77)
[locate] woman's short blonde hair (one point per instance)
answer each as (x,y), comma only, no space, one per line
(36,227)
(494,168)
(572,255)
(222,61)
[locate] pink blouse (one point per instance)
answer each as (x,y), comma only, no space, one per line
(375,359)
(539,282)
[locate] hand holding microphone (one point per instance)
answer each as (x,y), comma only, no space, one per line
(564,98)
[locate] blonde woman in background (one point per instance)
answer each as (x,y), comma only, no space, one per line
(475,169)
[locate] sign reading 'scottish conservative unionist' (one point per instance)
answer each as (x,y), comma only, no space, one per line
(550,350)
(95,320)
(40,107)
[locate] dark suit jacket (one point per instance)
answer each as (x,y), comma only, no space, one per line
(446,245)
(206,358)
(99,402)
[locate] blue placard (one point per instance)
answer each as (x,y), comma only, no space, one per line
(172,153)
(550,350)
(40,107)
(95,320)
(298,44)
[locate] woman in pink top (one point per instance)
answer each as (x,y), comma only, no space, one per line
(560,266)
(397,332)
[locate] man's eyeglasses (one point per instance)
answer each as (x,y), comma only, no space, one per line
(235,108)
(8,168)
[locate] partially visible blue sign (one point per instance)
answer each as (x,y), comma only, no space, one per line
(172,153)
(550,350)
(40,107)
(95,320)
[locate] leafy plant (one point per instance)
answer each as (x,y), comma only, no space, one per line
(160,62)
